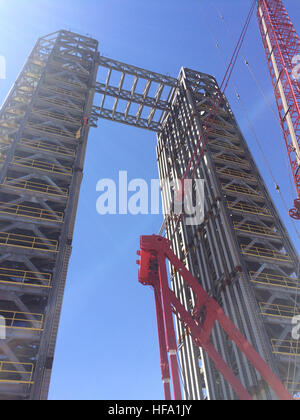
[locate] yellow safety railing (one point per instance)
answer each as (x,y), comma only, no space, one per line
(275,280)
(56,116)
(65,92)
(68,83)
(29,211)
(9,124)
(256,229)
(63,66)
(242,190)
(51,130)
(265,253)
(33,75)
(40,145)
(35,186)
(236,174)
(27,89)
(42,166)
(16,372)
(25,241)
(205,107)
(38,62)
(25,278)
(16,111)
(22,99)
(4,140)
(286,347)
(249,208)
(73,57)
(223,134)
(21,320)
(292,386)
(60,102)
(224,145)
(231,159)
(220,123)
(281,311)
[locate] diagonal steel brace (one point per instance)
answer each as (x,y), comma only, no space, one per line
(199,323)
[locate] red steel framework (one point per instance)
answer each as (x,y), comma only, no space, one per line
(282,46)
(198,323)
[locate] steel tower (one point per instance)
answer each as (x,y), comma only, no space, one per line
(43,134)
(241,254)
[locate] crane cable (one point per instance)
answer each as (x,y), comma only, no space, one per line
(268,103)
(264,156)
(213,113)
(248,119)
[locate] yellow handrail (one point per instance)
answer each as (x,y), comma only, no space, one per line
(60,102)
(35,186)
(236,174)
(25,241)
(19,320)
(65,92)
(278,310)
(221,133)
(25,277)
(275,280)
(51,130)
(265,253)
(231,159)
(248,208)
(257,229)
(286,347)
(56,116)
(32,212)
(47,147)
(43,166)
(16,372)
(224,145)
(242,190)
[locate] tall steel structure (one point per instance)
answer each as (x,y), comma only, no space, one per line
(241,254)
(43,134)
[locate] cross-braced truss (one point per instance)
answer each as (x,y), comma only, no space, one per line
(131,95)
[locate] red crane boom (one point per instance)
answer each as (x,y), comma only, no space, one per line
(155,250)
(282,47)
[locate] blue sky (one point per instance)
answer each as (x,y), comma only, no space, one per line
(107,344)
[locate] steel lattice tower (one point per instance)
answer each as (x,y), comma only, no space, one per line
(43,141)
(241,254)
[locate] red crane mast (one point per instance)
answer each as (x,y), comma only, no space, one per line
(282,47)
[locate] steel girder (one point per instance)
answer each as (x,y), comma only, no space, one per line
(43,131)
(241,254)
(125,87)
